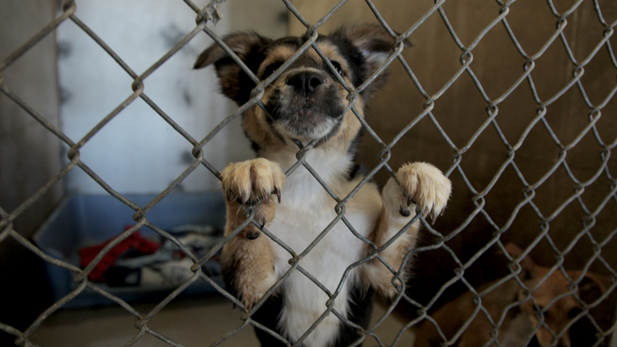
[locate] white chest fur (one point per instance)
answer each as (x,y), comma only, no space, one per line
(306,210)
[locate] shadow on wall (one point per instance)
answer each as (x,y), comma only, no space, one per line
(30,156)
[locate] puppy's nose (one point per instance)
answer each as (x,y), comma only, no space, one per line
(305,83)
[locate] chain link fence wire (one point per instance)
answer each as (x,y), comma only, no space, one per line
(208,16)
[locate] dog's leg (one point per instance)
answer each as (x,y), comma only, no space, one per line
(430,189)
(247,260)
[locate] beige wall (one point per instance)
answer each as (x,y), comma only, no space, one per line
(461,110)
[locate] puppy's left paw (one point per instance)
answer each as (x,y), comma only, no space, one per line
(423,183)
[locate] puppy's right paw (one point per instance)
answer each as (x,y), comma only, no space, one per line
(421,183)
(247,267)
(251,183)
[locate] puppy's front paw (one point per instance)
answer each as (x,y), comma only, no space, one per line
(251,183)
(247,267)
(423,184)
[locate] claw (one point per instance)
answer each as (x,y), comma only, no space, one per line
(436,214)
(230,195)
(410,201)
(261,220)
(267,199)
(277,191)
(425,213)
(433,217)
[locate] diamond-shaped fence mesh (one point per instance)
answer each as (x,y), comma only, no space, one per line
(557,195)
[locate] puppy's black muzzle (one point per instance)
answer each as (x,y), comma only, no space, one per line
(305,83)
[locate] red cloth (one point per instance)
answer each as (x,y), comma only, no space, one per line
(133,242)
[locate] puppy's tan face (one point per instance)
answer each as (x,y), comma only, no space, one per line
(559,307)
(306,101)
(557,314)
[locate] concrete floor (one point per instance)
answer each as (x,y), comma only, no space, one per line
(195,321)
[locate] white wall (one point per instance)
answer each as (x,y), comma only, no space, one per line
(137,152)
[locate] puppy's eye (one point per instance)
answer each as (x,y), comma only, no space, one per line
(338,68)
(269,70)
(574,312)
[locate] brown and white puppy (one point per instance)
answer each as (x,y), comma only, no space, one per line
(305,103)
(519,313)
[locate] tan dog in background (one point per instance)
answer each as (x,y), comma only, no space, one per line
(522,319)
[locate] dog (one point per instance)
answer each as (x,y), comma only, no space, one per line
(508,301)
(307,104)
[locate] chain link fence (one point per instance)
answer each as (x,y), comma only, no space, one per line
(604,174)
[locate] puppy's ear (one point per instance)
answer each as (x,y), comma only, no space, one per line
(527,265)
(591,286)
(375,44)
(235,83)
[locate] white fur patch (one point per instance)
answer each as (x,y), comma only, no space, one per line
(305,211)
(318,131)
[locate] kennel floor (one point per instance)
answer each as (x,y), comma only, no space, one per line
(192,321)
